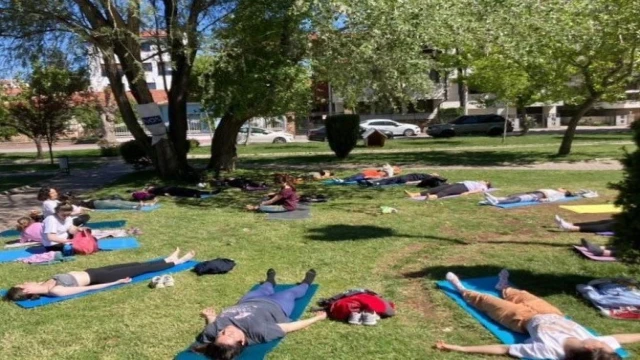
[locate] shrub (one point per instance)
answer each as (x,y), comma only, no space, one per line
(448,114)
(627,226)
(343,132)
(192,144)
(134,154)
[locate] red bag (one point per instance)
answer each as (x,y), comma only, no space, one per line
(84,243)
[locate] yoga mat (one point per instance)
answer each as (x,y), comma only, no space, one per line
(531,203)
(593,209)
(148,208)
(259,351)
(606,233)
(333,182)
(422,198)
(206,196)
(584,251)
(30,304)
(487,285)
(91,225)
(302,212)
(104,245)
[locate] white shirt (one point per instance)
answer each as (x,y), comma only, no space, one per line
(49,207)
(553,195)
(548,335)
(53,225)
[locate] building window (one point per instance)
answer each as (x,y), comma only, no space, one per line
(165,68)
(148,67)
(151,85)
(145,46)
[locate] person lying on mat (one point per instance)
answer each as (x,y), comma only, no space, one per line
(285,200)
(58,229)
(76,282)
(386,171)
(112,204)
(318,175)
(540,195)
(176,191)
(260,316)
(50,198)
(586,227)
(553,336)
(30,230)
(427,180)
(597,250)
(459,188)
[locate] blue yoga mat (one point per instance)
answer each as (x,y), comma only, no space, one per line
(532,203)
(104,245)
(259,351)
(333,182)
(30,304)
(92,225)
(144,208)
(487,285)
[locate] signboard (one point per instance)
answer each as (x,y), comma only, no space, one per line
(152,120)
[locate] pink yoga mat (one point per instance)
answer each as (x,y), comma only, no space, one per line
(422,198)
(584,251)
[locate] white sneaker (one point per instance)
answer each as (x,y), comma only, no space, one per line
(370,319)
(491,199)
(355,318)
(156,282)
(167,280)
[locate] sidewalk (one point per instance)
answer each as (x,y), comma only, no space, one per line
(13,206)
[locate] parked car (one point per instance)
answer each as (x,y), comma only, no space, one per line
(260,135)
(396,128)
(319,134)
(491,125)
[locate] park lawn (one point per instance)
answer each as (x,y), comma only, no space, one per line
(10,182)
(419,143)
(85,153)
(33,168)
(349,243)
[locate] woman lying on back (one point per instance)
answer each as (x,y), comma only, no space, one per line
(76,282)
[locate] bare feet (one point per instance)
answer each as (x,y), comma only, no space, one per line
(173,257)
(565,225)
(453,279)
(503,281)
(186,258)
(432,197)
(251,207)
(413,195)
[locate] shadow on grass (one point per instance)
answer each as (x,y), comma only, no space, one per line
(426,158)
(542,284)
(342,232)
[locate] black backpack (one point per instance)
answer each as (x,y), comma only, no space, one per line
(215,266)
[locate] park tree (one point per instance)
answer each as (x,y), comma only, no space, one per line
(257,69)
(45,103)
(580,52)
(113,29)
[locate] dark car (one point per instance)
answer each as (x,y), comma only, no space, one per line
(319,134)
(491,125)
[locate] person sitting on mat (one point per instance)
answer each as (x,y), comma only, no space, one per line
(58,229)
(586,227)
(386,171)
(30,230)
(50,198)
(597,250)
(76,282)
(553,336)
(261,316)
(427,180)
(540,195)
(459,188)
(285,200)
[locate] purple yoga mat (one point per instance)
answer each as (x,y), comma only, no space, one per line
(606,233)
(422,198)
(584,251)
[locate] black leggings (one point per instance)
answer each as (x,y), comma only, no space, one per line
(446,190)
(596,226)
(81,220)
(403,179)
(116,272)
(180,192)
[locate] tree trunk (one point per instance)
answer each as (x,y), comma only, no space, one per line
(106,126)
(38,142)
(50,144)
(567,140)
(223,148)
(463,90)
(521,113)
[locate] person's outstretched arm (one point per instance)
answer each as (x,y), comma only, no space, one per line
(301,324)
(273,200)
(627,338)
(209,315)
(66,291)
(481,349)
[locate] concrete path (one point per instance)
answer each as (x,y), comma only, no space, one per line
(15,205)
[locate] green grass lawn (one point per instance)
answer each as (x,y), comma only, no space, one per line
(15,168)
(10,182)
(349,243)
